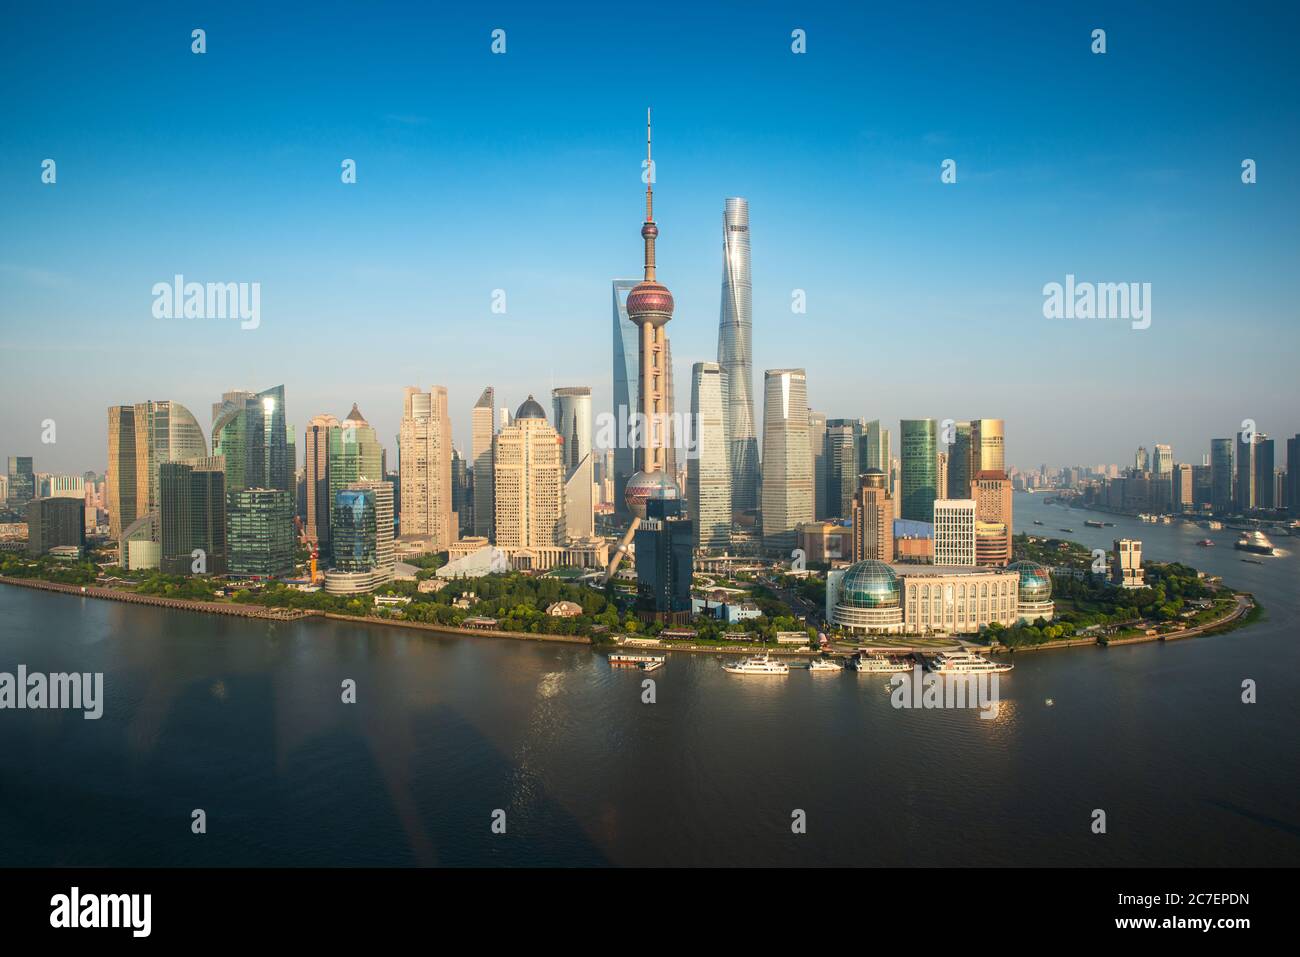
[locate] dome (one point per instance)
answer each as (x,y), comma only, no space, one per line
(530,410)
(869,584)
(650,301)
(1035,581)
(644,485)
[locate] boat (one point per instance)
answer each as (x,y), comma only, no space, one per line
(1037,522)
(1252,561)
(1091,523)
(824,666)
(644,662)
(1205,543)
(757,665)
(1255,542)
(1108,524)
(1214,526)
(966,663)
(1070,530)
(874,663)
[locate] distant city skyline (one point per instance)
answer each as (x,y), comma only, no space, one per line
(518,176)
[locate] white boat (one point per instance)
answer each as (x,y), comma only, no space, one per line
(824,666)
(965,663)
(757,665)
(878,664)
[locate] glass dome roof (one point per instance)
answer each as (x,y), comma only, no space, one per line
(1035,581)
(869,584)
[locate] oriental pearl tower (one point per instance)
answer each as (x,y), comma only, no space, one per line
(649,307)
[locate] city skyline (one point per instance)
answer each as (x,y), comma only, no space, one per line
(443,216)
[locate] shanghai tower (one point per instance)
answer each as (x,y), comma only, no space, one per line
(735,355)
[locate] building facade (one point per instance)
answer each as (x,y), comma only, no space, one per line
(954,531)
(735,354)
(259,532)
(529,481)
(708,467)
(873,518)
(192,517)
(919,481)
(787,460)
(425,454)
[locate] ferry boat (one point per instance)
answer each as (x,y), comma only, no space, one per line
(1205,543)
(1255,542)
(824,666)
(757,665)
(1092,523)
(644,662)
(966,663)
(874,663)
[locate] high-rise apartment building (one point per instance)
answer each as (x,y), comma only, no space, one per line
(708,469)
(787,460)
(919,480)
(424,456)
(954,530)
(873,518)
(529,481)
(735,354)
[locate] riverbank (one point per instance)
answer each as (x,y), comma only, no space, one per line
(180,604)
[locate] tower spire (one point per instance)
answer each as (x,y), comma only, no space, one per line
(649,230)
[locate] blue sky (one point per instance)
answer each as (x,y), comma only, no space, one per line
(522,172)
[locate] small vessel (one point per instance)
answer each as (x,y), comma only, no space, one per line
(1252,561)
(644,662)
(1037,522)
(1093,524)
(824,666)
(1070,530)
(1205,543)
(966,663)
(1255,542)
(757,665)
(874,663)
(1214,526)
(1108,524)
(1049,702)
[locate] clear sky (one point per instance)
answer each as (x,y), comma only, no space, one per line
(522,171)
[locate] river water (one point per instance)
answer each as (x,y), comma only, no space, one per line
(245,721)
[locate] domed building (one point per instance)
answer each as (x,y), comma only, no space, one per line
(865,597)
(530,409)
(1034,595)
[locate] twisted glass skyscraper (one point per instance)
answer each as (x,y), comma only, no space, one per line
(735,354)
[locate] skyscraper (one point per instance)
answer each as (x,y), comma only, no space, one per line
(483,429)
(572,412)
(991,490)
(787,460)
(424,456)
(259,536)
(649,308)
(354,456)
(961,462)
(1293,475)
(192,516)
(54,522)
(1247,471)
(841,451)
(708,471)
(877,453)
(319,430)
(250,430)
(1221,494)
(1162,459)
(817,443)
(119,483)
(987,453)
(165,431)
(1265,491)
(954,530)
(362,533)
(735,353)
(22,481)
(529,480)
(873,518)
(919,446)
